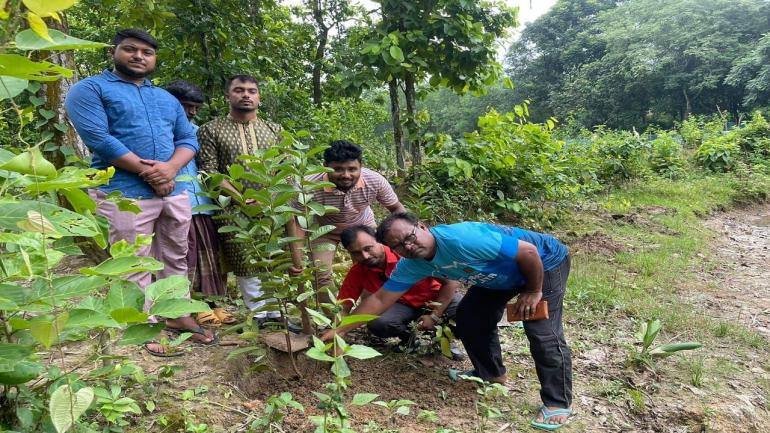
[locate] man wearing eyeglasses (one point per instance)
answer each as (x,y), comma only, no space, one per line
(498,263)
(429,302)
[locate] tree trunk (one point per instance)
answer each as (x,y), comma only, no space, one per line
(687,106)
(398,131)
(318,65)
(415,143)
(55,92)
(323,37)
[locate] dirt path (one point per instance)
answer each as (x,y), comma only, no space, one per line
(744,277)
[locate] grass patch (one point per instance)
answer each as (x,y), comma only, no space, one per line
(659,224)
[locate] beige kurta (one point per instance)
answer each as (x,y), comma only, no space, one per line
(222,141)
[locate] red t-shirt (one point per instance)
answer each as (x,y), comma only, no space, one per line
(362,277)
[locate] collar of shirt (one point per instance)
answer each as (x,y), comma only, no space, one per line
(254,120)
(359,184)
(391,258)
(111,76)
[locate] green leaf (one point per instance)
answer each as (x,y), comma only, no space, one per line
(38,26)
(29,40)
(65,288)
(124,265)
(446,347)
(206,208)
(79,200)
(141,333)
(46,331)
(236,171)
(125,294)
(22,372)
(670,349)
(7,304)
(317,233)
(18,66)
(64,221)
(363,398)
(396,53)
(128,315)
(319,355)
(356,318)
(10,354)
(30,162)
(340,368)
(174,308)
(11,86)
(318,318)
(173,287)
(403,410)
(66,407)
(359,351)
(85,318)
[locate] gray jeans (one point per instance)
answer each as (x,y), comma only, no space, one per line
(477,318)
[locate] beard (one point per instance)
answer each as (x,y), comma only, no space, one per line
(243,109)
(125,70)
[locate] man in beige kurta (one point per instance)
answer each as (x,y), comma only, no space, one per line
(222,141)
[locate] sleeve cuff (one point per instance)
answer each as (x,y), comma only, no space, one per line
(188,146)
(113,151)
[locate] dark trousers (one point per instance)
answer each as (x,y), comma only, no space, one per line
(394,322)
(477,318)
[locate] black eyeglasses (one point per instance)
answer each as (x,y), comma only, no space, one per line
(409,240)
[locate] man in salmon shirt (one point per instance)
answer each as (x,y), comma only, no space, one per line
(429,301)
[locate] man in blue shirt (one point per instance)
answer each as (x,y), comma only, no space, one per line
(143,132)
(498,263)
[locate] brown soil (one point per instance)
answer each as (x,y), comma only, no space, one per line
(743,252)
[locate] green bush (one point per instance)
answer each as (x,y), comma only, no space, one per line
(620,155)
(666,157)
(718,154)
(754,137)
(508,168)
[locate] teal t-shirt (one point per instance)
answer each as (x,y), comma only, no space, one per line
(477,254)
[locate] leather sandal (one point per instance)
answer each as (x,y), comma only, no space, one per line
(224,316)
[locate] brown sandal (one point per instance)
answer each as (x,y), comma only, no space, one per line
(224,316)
(210,318)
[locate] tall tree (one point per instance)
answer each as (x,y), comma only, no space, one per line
(451,42)
(327,15)
(637,62)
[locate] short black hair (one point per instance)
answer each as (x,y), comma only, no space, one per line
(143,36)
(350,234)
(342,151)
(185,91)
(385,225)
(242,78)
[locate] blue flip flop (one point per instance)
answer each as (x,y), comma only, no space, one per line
(548,413)
(455,374)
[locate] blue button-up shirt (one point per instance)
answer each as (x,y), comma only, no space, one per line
(115,117)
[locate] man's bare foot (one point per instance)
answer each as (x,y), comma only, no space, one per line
(560,418)
(499,379)
(200,334)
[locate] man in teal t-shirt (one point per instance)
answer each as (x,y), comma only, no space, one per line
(498,263)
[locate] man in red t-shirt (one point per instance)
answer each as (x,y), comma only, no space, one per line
(428,301)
